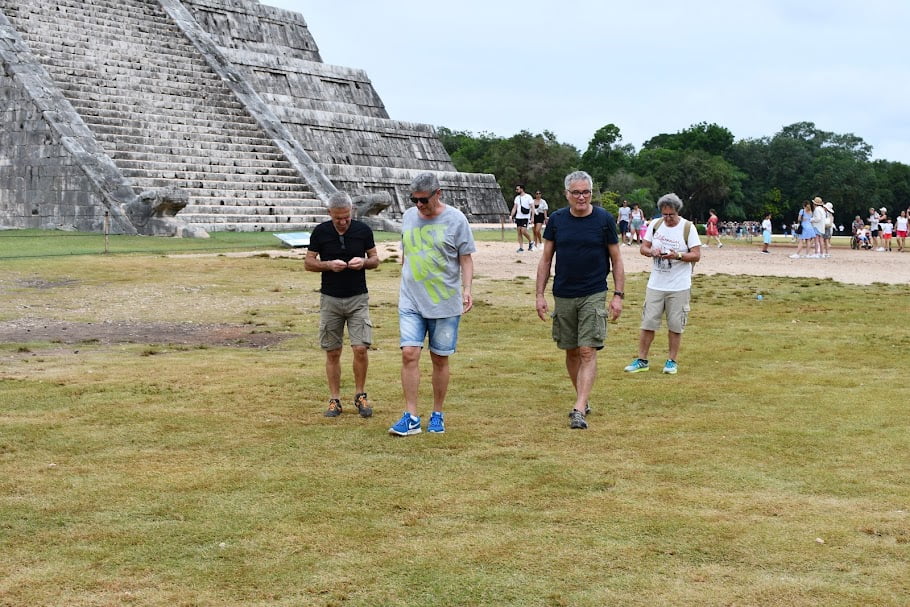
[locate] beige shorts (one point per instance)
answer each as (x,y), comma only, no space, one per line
(580,321)
(672,304)
(335,312)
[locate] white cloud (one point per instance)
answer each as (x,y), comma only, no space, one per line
(650,67)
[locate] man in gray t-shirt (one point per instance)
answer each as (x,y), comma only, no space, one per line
(435,291)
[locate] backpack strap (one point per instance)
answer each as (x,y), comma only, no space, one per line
(687,229)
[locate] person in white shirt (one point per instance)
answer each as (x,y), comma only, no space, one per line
(887,229)
(624,218)
(522,208)
(674,247)
(766,233)
(540,218)
(901,226)
(818,224)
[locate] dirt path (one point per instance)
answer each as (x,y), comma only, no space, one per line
(499,260)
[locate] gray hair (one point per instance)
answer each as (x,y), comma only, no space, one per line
(339,200)
(670,200)
(579,176)
(425,182)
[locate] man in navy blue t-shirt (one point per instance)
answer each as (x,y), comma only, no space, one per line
(583,238)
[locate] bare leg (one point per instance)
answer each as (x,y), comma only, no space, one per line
(674,339)
(333,372)
(440,380)
(410,376)
(361,362)
(581,363)
(645,337)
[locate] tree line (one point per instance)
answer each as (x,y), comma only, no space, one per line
(704,165)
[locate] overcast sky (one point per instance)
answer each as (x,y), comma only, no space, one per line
(647,66)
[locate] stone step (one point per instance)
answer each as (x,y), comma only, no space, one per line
(112,23)
(240,174)
(303,213)
(238,218)
(275,227)
(204,118)
(157,122)
(237,182)
(145,104)
(171,151)
(147,63)
(202,164)
(213,97)
(140,135)
(105,75)
(253,198)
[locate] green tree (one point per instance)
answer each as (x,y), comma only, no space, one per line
(605,154)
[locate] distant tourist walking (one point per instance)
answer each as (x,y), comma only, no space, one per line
(584,241)
(522,207)
(819,217)
(874,218)
(766,233)
(436,281)
(805,233)
(638,220)
(540,218)
(625,222)
(674,247)
(342,249)
(901,228)
(711,228)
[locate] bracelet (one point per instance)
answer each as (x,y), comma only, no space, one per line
(620,294)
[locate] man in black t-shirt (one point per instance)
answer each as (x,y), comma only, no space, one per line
(342,249)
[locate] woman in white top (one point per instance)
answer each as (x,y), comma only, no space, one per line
(540,218)
(901,224)
(638,218)
(819,215)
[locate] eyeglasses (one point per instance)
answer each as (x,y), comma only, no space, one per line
(580,193)
(341,240)
(668,214)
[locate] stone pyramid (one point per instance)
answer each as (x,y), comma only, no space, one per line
(184,117)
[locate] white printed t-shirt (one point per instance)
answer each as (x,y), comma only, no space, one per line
(671,274)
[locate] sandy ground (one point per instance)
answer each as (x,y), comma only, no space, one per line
(497,259)
(500,260)
(493,260)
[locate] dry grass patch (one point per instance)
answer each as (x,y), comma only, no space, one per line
(772,470)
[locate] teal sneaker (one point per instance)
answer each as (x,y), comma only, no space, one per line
(406,426)
(670,367)
(437,424)
(638,365)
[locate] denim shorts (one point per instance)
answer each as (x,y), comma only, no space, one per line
(414,329)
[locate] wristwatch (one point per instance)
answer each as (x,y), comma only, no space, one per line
(678,255)
(621,294)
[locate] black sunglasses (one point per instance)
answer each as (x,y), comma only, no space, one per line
(423,199)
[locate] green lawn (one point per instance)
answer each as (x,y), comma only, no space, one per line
(771,471)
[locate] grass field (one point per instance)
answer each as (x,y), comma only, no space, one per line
(771,471)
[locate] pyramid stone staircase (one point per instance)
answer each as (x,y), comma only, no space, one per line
(163,115)
(225,102)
